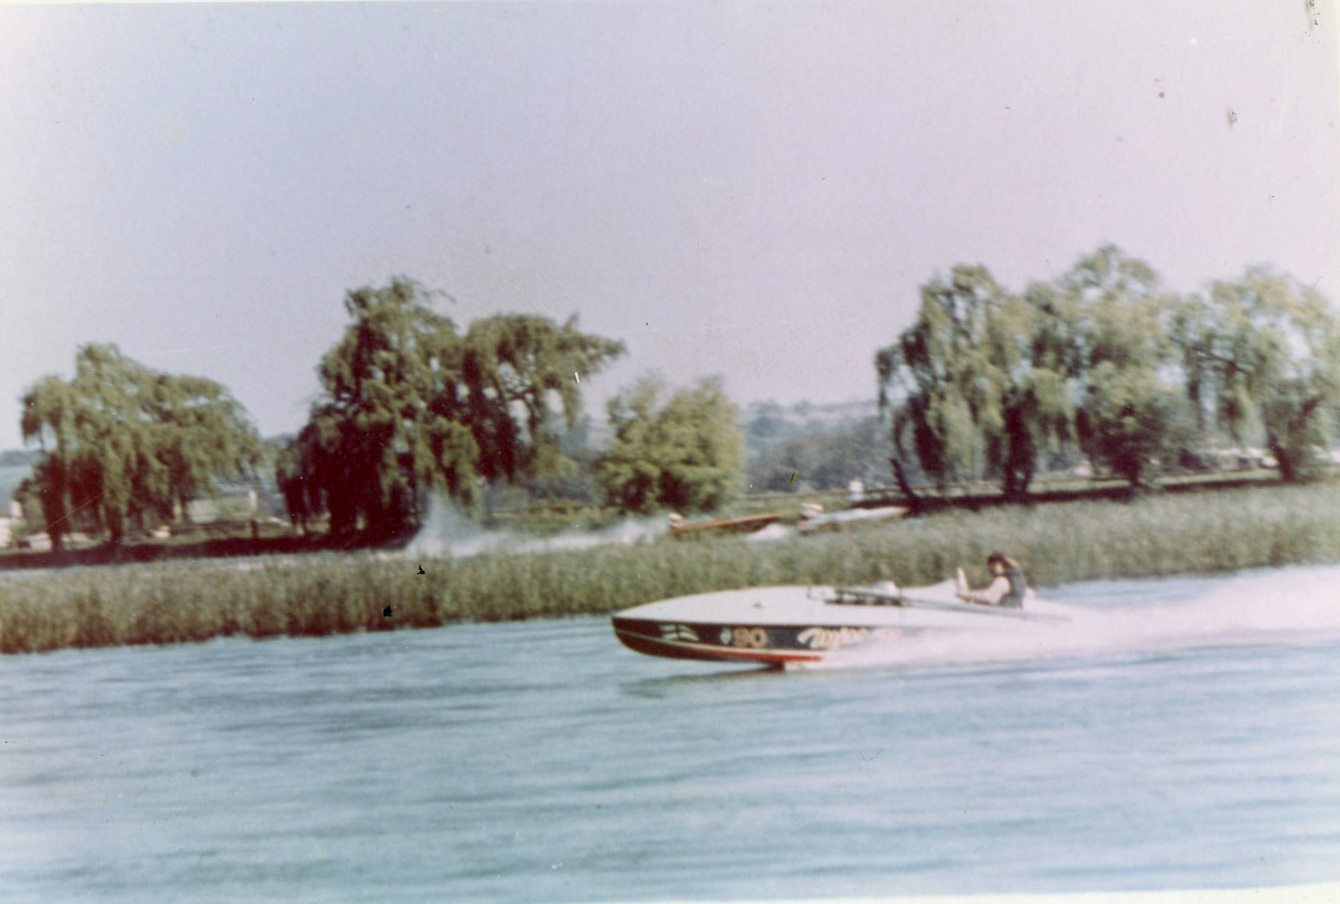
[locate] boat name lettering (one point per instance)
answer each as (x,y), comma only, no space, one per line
(831,638)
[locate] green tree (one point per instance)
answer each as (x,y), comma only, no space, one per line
(375,440)
(197,432)
(1130,409)
(1262,355)
(686,453)
(976,385)
(121,441)
(940,379)
(409,406)
(1034,370)
(521,384)
(293,476)
(48,418)
(985,381)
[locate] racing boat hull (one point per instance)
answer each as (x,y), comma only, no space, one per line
(795,625)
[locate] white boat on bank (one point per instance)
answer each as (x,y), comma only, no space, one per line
(795,625)
(814,520)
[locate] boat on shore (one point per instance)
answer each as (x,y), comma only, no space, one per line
(792,626)
(813,519)
(746,524)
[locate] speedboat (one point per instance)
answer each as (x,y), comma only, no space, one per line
(797,625)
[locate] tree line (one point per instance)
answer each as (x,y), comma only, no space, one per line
(123,444)
(1106,361)
(410,405)
(986,383)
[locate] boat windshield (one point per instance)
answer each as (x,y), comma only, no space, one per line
(864,596)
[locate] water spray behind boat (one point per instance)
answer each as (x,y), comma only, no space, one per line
(1154,617)
(449,533)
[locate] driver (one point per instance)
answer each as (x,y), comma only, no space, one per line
(1007,588)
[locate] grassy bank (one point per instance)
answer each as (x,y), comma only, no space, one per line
(184,602)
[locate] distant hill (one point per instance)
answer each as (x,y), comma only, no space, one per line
(769,423)
(796,448)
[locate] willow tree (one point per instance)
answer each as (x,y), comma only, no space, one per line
(683,451)
(975,385)
(940,376)
(1130,409)
(1263,358)
(121,441)
(373,442)
(520,380)
(409,405)
(48,419)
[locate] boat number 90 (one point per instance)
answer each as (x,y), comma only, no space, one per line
(745,637)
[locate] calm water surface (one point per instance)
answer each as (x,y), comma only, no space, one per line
(1184,734)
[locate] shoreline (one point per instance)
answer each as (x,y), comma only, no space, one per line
(232,540)
(174,602)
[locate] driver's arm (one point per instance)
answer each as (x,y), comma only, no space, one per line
(992,594)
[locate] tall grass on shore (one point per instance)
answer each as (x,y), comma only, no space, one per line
(328,594)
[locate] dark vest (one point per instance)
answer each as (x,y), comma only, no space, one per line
(1018,587)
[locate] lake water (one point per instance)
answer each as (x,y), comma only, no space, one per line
(1181,734)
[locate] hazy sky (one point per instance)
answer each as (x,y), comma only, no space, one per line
(751,189)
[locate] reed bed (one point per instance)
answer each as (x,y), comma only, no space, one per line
(328,594)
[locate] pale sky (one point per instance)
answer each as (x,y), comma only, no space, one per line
(750,189)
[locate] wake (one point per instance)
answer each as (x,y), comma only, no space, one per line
(1119,618)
